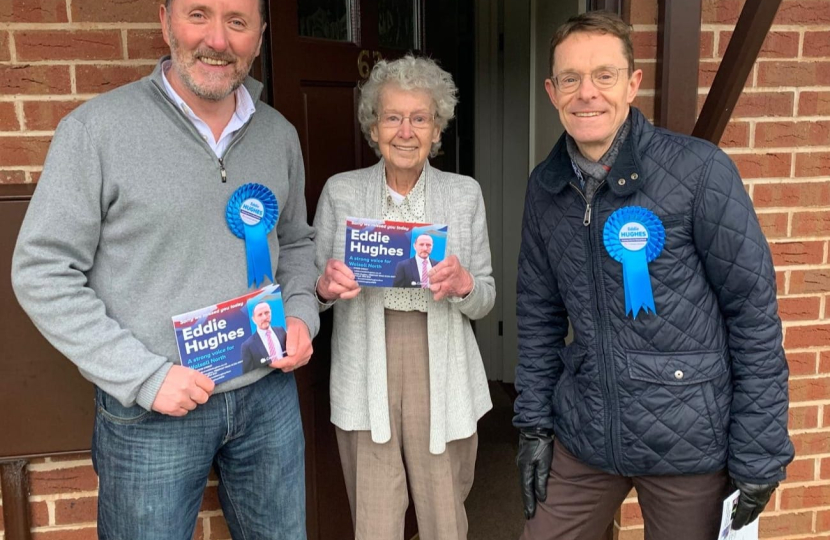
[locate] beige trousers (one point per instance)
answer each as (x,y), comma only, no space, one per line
(377,474)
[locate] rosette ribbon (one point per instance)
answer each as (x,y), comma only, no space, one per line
(634,236)
(252,213)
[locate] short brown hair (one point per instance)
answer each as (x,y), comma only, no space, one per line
(595,22)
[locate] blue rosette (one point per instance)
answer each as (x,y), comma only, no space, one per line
(252,213)
(634,236)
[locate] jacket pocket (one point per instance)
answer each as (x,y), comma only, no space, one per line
(675,369)
(669,406)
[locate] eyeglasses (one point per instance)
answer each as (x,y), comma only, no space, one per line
(417,120)
(603,77)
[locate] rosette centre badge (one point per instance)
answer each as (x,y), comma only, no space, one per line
(634,236)
(252,213)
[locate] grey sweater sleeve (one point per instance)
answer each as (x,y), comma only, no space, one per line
(296,272)
(56,247)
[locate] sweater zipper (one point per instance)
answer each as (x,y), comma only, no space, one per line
(223,173)
(606,372)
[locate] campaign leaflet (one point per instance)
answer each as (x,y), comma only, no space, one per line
(749,532)
(222,341)
(386,253)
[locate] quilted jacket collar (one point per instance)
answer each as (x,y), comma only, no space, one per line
(625,176)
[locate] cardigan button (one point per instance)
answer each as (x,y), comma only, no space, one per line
(678,374)
(634,176)
(621,181)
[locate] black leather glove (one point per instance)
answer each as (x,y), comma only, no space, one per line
(751,502)
(535,456)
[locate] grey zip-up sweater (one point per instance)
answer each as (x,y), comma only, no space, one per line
(127,228)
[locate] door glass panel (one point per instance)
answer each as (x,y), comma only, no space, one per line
(326,19)
(398,24)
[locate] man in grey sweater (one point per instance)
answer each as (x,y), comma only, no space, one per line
(126,229)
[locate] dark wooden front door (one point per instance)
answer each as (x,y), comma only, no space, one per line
(319,51)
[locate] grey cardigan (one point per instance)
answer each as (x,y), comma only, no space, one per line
(458,385)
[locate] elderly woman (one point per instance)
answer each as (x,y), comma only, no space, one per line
(407,381)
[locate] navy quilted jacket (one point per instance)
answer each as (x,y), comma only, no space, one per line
(698,386)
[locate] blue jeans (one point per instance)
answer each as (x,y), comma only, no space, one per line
(153,468)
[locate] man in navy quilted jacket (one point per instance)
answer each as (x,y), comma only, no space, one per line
(675,382)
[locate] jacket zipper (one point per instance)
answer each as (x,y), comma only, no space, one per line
(605,372)
(222,171)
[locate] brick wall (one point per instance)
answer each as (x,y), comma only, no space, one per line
(54,55)
(779,137)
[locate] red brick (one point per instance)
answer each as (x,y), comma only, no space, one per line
(781,134)
(218,529)
(775,224)
(736,135)
(35,176)
(803,12)
(86,533)
(763,165)
(643,12)
(27,79)
(23,151)
(764,104)
(645,45)
(814,103)
(649,75)
(809,444)
(780,278)
(72,511)
(805,417)
(646,105)
(793,73)
(33,11)
(792,194)
(5,52)
(707,44)
(804,497)
(121,11)
(720,11)
(45,115)
(788,253)
(824,363)
(12,177)
(811,223)
(776,45)
(812,164)
(708,69)
(8,117)
(199,532)
(71,480)
(38,514)
(799,363)
(809,389)
(816,44)
(809,281)
(808,336)
(823,521)
(824,469)
(146,44)
(631,514)
(210,499)
(785,524)
(97,79)
(68,45)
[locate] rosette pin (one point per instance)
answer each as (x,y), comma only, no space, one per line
(634,237)
(252,213)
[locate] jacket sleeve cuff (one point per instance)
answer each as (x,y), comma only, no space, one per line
(148,391)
